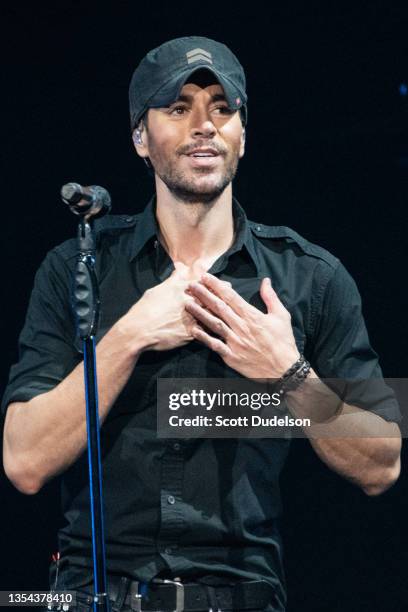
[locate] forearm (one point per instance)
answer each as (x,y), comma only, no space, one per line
(373,464)
(355,443)
(44,436)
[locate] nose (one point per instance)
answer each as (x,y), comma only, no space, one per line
(202,125)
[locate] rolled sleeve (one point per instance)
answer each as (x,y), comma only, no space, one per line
(46,346)
(342,349)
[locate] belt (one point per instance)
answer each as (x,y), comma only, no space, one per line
(176,596)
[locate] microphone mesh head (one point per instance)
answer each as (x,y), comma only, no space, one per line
(71,192)
(103,197)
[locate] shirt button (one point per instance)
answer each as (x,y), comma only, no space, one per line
(258,227)
(169,550)
(171,499)
(176,446)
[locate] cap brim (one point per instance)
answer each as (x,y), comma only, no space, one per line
(171,90)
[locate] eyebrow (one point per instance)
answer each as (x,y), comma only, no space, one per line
(186,98)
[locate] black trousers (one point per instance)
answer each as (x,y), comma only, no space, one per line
(121,601)
(80,607)
(198,595)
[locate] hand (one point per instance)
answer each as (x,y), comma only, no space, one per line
(255,344)
(159,320)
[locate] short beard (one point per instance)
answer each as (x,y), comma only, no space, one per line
(186,191)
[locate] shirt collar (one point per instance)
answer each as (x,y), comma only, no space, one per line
(147,228)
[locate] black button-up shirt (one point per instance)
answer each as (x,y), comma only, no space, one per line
(188,508)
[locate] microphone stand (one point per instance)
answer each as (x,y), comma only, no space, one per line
(86,309)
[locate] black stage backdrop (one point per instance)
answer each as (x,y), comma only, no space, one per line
(327,154)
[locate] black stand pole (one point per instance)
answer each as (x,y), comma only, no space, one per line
(86,306)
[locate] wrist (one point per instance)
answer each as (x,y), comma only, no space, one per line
(294,376)
(286,363)
(131,336)
(314,400)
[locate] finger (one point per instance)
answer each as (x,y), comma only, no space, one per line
(213,323)
(193,298)
(225,291)
(270,297)
(216,345)
(267,294)
(217,306)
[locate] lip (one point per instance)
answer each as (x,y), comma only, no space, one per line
(203,153)
(203,157)
(200,162)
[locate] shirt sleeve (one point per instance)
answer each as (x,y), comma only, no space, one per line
(47,351)
(342,350)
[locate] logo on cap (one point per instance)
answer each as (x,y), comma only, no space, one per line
(197,55)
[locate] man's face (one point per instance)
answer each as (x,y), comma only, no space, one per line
(195,144)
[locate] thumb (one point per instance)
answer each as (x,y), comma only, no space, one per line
(180,270)
(268,294)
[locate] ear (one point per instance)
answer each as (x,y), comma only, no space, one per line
(139,137)
(242,146)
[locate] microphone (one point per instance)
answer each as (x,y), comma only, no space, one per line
(89,201)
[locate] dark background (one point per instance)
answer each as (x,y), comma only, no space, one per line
(327,154)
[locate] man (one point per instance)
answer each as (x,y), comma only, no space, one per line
(186,292)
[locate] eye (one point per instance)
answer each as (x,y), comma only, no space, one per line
(177,110)
(224,110)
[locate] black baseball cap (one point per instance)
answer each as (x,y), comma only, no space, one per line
(160,76)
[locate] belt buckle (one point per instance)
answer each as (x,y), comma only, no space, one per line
(135,597)
(179,593)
